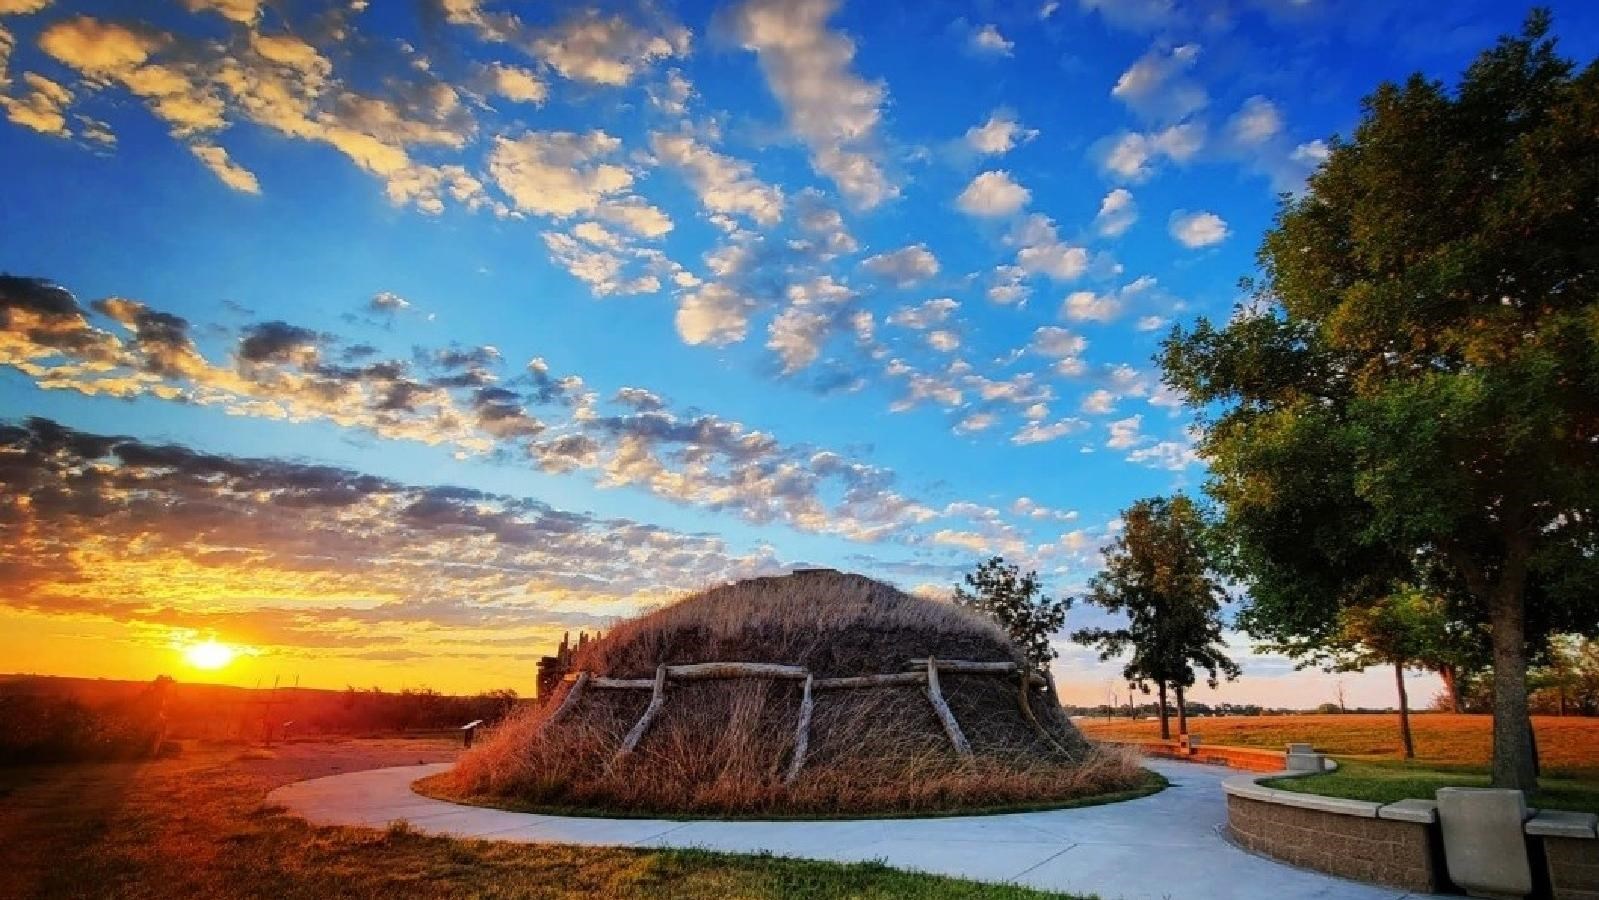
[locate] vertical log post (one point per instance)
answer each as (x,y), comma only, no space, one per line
(802,734)
(573,694)
(951,727)
(657,700)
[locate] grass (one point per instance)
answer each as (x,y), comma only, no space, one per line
(441,787)
(1387,781)
(195,826)
(1451,751)
(1567,745)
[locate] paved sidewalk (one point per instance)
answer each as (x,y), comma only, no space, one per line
(1167,845)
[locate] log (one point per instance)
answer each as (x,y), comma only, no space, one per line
(951,727)
(860,681)
(802,734)
(1022,687)
(695,671)
(657,701)
(622,683)
(567,702)
(966,666)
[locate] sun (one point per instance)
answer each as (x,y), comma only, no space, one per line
(208,655)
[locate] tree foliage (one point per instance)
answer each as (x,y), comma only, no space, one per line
(1016,601)
(1417,380)
(1158,574)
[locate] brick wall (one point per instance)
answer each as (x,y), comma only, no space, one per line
(1400,854)
(1573,867)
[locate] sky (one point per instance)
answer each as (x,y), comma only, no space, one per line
(387,341)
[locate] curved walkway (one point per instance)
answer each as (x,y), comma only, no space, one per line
(1166,845)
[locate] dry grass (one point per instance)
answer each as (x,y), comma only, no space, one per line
(1567,745)
(721,747)
(194,826)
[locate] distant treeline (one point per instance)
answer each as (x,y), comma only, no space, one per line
(46,719)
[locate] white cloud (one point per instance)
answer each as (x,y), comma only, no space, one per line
(925,315)
(1099,402)
(1154,87)
(1256,122)
(1042,252)
(1088,306)
(605,50)
(1057,343)
(1117,213)
(905,266)
(1000,134)
(515,83)
(987,41)
(833,110)
(713,314)
(1132,156)
(1043,432)
(975,422)
(1125,433)
(993,194)
(724,184)
(1198,229)
(558,173)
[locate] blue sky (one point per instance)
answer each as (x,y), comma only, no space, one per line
(865,285)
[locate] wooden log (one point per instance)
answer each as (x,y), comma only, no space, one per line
(694,671)
(951,727)
(573,693)
(802,733)
(891,679)
(966,666)
(657,701)
(1022,687)
(622,683)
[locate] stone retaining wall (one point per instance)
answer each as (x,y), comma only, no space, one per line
(1396,853)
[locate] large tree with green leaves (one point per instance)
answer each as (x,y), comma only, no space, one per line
(1417,378)
(1017,602)
(1158,575)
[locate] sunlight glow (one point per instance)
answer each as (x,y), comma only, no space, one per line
(208,655)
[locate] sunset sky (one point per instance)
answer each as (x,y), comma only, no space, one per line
(397,338)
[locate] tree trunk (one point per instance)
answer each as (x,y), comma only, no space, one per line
(1182,713)
(1514,764)
(1165,724)
(1404,712)
(1451,680)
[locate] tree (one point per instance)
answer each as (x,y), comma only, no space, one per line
(1158,575)
(1418,376)
(1017,603)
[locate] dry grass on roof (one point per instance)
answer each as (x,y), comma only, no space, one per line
(831,622)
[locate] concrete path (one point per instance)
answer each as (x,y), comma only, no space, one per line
(1168,845)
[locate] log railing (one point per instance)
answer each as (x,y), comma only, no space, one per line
(920,671)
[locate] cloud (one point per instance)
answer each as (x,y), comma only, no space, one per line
(987,41)
(999,135)
(993,193)
(229,172)
(713,314)
(1044,432)
(1154,85)
(1197,229)
(905,266)
(605,50)
(1125,433)
(515,83)
(924,316)
(1042,252)
(724,185)
(833,110)
(559,173)
(1117,213)
(42,108)
(1256,122)
(1132,156)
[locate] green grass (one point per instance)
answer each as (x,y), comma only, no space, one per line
(195,826)
(1388,781)
(438,787)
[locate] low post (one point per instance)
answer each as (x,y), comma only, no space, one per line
(1304,758)
(469,732)
(1484,845)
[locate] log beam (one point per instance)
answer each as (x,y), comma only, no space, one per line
(573,693)
(802,733)
(695,671)
(951,727)
(891,679)
(657,701)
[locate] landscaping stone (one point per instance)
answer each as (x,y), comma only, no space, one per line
(1484,844)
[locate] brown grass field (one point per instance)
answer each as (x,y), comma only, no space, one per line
(195,826)
(1567,745)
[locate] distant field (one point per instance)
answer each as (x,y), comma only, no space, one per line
(1567,745)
